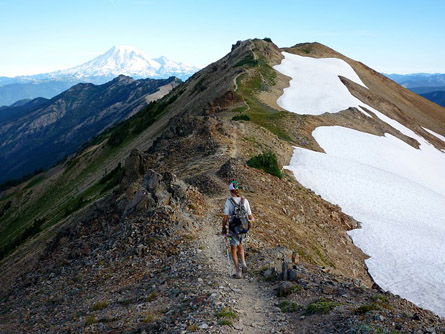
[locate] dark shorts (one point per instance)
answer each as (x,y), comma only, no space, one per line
(236,239)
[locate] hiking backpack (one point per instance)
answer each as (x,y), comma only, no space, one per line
(240,222)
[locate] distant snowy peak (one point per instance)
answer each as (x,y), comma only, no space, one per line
(129,61)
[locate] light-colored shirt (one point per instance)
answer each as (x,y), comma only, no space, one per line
(229,208)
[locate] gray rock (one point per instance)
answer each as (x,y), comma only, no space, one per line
(284,270)
(238,325)
(295,257)
(267,273)
(328,290)
(203,326)
(285,289)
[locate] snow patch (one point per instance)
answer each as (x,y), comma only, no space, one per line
(395,190)
(442,138)
(315,87)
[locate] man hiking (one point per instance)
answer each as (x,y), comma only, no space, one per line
(238,214)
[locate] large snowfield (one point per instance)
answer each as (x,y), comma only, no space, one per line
(396,191)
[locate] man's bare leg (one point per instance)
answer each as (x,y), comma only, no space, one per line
(235,257)
(241,253)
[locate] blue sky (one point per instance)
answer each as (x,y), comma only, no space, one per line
(391,36)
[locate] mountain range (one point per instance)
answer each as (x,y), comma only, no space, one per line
(343,169)
(118,60)
(38,133)
(429,86)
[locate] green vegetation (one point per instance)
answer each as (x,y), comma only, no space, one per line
(366,308)
(74,190)
(288,307)
(247,60)
(225,316)
(361,328)
(90,320)
(260,78)
(192,328)
(241,117)
(37,180)
(152,296)
(199,86)
(267,39)
(56,199)
(5,208)
(124,131)
(28,233)
(325,261)
(100,305)
(294,289)
(320,306)
(12,183)
(74,205)
(150,317)
(267,162)
(307,51)
(381,299)
(224,322)
(112,179)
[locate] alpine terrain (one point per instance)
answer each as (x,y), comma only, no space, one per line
(41,132)
(125,235)
(119,60)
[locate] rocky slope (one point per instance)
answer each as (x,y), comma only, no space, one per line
(42,132)
(147,257)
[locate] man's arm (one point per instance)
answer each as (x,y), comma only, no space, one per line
(224,224)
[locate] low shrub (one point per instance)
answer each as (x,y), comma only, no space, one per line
(267,39)
(226,313)
(150,317)
(192,328)
(225,316)
(113,178)
(285,293)
(28,233)
(90,320)
(247,60)
(100,305)
(320,306)
(289,307)
(242,117)
(267,162)
(366,308)
(75,205)
(152,296)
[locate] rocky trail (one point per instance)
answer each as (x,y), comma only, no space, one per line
(253,302)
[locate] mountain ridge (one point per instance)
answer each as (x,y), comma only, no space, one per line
(31,133)
(146,249)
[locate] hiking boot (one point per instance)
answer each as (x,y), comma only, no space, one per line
(244,267)
(238,274)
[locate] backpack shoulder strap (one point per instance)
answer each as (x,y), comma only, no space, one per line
(233,202)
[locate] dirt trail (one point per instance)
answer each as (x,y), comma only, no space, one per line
(254,301)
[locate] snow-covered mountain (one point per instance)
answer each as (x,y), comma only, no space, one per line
(128,61)
(118,60)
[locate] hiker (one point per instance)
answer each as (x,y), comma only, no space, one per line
(236,232)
